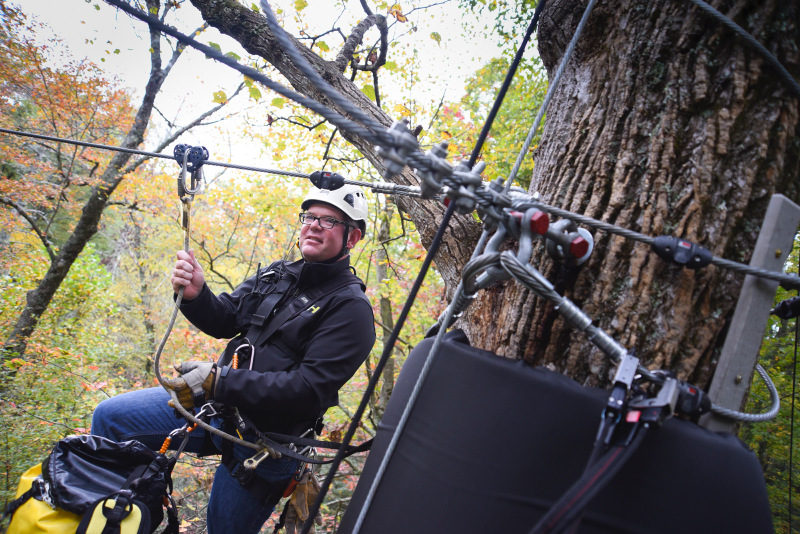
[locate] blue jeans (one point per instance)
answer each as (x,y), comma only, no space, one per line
(144,415)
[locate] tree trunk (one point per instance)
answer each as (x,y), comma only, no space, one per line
(664,123)
(38,299)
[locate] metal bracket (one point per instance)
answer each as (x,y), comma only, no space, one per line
(740,351)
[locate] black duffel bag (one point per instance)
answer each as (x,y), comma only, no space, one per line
(90,480)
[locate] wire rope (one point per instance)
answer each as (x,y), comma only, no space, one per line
(146,153)
(753,42)
(786,280)
(449,312)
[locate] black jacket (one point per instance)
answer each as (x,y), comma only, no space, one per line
(297,372)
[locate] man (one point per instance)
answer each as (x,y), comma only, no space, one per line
(300,330)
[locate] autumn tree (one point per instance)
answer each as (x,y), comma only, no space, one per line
(665,124)
(61,192)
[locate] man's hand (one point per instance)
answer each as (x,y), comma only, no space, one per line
(188,275)
(196,383)
(301,500)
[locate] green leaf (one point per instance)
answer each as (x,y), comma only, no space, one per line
(390,66)
(255,94)
(323,46)
(220,97)
(278,102)
(233,56)
(436,37)
(215,46)
(254,7)
(368,90)
(300,5)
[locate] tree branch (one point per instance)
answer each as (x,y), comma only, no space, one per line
(357,36)
(35,227)
(180,131)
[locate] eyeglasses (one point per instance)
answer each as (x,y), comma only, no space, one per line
(325,222)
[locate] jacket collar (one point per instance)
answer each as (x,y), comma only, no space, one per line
(310,273)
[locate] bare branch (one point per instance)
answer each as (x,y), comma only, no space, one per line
(176,134)
(357,36)
(48,245)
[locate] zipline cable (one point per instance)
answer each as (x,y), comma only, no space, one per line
(546,102)
(145,153)
(378,187)
(449,312)
(788,281)
(754,43)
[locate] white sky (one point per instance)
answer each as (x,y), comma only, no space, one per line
(93,29)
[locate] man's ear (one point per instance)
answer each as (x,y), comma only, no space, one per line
(353,237)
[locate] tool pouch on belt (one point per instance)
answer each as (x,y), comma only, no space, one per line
(90,482)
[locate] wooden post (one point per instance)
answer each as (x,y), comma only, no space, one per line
(740,351)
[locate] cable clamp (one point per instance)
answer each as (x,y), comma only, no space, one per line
(492,203)
(438,170)
(465,181)
(403,143)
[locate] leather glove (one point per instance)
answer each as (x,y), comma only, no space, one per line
(195,385)
(301,500)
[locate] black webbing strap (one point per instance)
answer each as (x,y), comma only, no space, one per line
(12,506)
(267,306)
(572,503)
(302,302)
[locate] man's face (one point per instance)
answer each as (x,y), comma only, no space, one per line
(320,244)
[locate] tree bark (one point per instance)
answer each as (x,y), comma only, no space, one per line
(664,123)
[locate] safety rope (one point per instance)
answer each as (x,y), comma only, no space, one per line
(186,195)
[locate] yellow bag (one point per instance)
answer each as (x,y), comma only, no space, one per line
(126,514)
(92,485)
(35,516)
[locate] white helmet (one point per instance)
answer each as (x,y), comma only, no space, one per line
(349,199)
